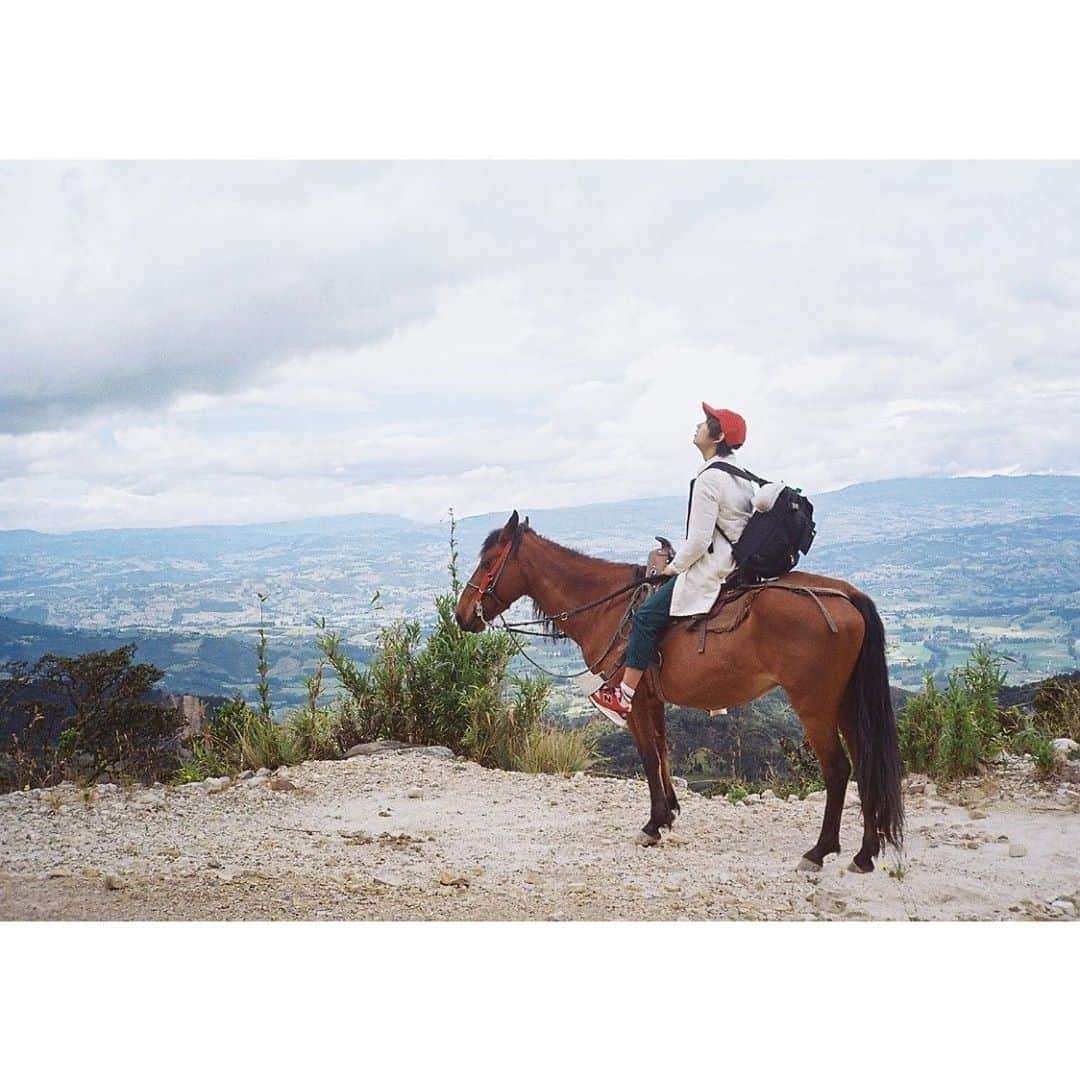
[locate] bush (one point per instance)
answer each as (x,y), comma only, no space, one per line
(1057,709)
(91,715)
(1030,740)
(236,738)
(453,689)
(948,733)
(804,767)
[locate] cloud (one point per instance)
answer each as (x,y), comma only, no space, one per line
(189,343)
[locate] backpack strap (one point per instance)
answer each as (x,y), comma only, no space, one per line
(736,471)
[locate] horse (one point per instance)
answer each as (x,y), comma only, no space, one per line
(837,682)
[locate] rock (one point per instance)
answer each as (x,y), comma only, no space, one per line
(380,746)
(446,878)
(213,864)
(680,783)
(793,797)
(247,774)
(114,883)
(1064,747)
(416,793)
(930,788)
(262,772)
(443,752)
(534,877)
(816,797)
(216,784)
(279,783)
(577,887)
(677,840)
(390,880)
(755,798)
(977,815)
(1017,851)
(1064,905)
(768,793)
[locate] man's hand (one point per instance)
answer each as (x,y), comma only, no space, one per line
(669,572)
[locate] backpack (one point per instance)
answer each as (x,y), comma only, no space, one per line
(773,539)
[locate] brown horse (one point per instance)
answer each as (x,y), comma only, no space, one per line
(837,683)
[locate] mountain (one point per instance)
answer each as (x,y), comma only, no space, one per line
(949,561)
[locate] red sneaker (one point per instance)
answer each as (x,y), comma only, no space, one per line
(612,703)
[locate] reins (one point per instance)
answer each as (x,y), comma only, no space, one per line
(641,586)
(487,588)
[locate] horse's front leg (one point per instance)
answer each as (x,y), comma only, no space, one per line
(642,725)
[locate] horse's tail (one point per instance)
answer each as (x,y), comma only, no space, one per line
(877,752)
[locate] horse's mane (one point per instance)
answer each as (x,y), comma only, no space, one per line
(550,626)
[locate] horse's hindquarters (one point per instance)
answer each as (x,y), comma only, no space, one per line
(784,641)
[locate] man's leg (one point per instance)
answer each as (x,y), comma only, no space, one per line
(645,630)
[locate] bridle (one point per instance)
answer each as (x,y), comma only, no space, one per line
(487,584)
(641,587)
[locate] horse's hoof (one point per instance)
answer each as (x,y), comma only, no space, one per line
(808,866)
(647,839)
(855,868)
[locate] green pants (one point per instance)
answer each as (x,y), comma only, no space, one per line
(648,624)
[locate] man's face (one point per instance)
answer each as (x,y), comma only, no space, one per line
(702,439)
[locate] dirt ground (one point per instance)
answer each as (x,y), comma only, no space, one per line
(408,836)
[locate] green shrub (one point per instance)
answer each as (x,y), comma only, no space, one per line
(804,767)
(550,749)
(1057,709)
(948,733)
(94,717)
(1030,740)
(236,738)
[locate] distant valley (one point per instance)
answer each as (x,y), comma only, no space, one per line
(950,562)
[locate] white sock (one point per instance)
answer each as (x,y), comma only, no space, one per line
(626,692)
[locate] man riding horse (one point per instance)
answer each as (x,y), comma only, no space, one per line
(720,506)
(819,638)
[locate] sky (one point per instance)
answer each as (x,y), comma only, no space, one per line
(186,343)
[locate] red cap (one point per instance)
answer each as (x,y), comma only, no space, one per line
(731,424)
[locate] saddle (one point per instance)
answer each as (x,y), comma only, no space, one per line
(736,597)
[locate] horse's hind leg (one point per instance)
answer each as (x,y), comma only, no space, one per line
(642,725)
(824,737)
(863,862)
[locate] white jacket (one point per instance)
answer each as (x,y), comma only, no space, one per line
(720,501)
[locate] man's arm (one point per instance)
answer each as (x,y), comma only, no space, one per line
(703,513)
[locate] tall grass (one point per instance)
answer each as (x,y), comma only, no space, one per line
(952,732)
(446,687)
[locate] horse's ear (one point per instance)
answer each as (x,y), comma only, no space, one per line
(525,523)
(511,527)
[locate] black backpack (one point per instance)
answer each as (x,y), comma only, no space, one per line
(772,541)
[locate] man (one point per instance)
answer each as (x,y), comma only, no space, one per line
(720,506)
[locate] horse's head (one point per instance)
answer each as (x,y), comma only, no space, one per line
(498,579)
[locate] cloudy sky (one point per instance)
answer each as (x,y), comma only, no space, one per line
(186,343)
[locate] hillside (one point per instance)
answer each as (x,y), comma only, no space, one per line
(951,562)
(414,836)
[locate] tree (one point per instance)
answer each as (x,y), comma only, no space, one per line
(89,714)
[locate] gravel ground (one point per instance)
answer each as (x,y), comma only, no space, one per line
(404,835)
